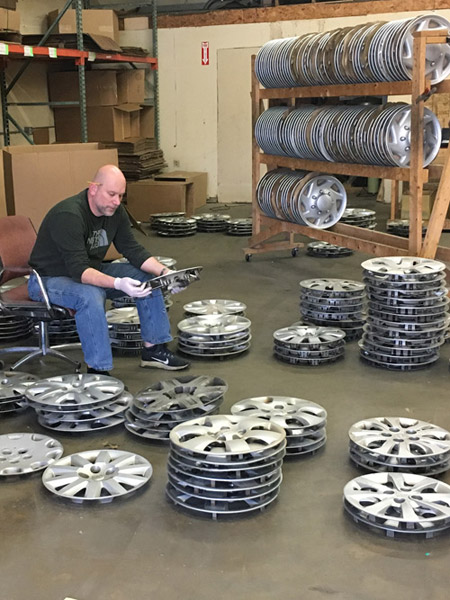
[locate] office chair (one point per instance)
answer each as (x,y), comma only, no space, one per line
(17,238)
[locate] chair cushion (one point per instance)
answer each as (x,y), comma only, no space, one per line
(17,301)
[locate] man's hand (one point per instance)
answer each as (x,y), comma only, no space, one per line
(132,287)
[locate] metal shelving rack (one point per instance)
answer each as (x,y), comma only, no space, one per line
(79,56)
(365,240)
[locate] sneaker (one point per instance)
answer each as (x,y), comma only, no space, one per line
(92,371)
(161,357)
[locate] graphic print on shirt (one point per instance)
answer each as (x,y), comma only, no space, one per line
(97,239)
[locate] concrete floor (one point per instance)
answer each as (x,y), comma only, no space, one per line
(303,547)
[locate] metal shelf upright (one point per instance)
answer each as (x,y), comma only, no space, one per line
(365,240)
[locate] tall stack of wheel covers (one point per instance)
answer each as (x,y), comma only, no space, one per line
(361,134)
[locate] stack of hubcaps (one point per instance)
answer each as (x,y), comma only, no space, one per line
(23,453)
(313,199)
(214,335)
(176,226)
(399,503)
(359,217)
(303,421)
(240,227)
(400,444)
(373,135)
(361,54)
(225,464)
(125,330)
(215,307)
(408,312)
(326,250)
(336,302)
(400,227)
(305,345)
(12,390)
(210,223)
(78,403)
(14,328)
(62,331)
(97,476)
(157,409)
(167,215)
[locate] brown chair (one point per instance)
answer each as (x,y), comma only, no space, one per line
(17,238)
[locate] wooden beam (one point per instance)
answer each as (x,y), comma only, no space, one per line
(416,152)
(339,168)
(257,108)
(297,12)
(395,204)
(439,212)
(397,88)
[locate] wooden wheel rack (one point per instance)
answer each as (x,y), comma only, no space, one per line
(365,240)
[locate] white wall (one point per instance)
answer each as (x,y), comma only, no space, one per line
(188,90)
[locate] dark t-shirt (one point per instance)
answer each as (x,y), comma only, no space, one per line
(72,239)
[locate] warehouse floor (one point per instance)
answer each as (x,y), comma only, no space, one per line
(303,547)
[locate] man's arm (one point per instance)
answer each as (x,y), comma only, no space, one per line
(154,267)
(94,277)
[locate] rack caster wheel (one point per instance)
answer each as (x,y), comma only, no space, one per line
(248,257)
(294,252)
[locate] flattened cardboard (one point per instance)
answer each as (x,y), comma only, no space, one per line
(37,177)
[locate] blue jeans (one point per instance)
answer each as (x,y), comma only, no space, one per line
(89,303)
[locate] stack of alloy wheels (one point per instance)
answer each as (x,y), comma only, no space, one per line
(62,331)
(359,217)
(408,312)
(25,453)
(400,444)
(78,403)
(360,54)
(12,391)
(14,328)
(240,227)
(214,336)
(125,330)
(305,345)
(399,504)
(167,215)
(372,135)
(400,227)
(326,250)
(225,464)
(210,223)
(303,421)
(97,476)
(215,307)
(336,302)
(157,409)
(176,226)
(314,199)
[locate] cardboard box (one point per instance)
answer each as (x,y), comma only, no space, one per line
(147,129)
(198,180)
(103,88)
(172,192)
(37,177)
(41,135)
(11,4)
(148,196)
(135,23)
(427,204)
(9,20)
(105,123)
(95,22)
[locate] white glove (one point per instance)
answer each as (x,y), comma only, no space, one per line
(175,289)
(132,287)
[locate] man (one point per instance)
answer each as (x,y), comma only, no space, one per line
(70,247)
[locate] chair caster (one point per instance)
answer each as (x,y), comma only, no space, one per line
(248,257)
(294,252)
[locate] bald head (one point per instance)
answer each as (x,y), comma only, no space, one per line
(105,193)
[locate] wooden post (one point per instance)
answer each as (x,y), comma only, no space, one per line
(439,211)
(256,111)
(416,164)
(395,205)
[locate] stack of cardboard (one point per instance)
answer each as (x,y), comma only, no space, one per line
(139,158)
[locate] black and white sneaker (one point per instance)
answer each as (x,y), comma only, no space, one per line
(161,357)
